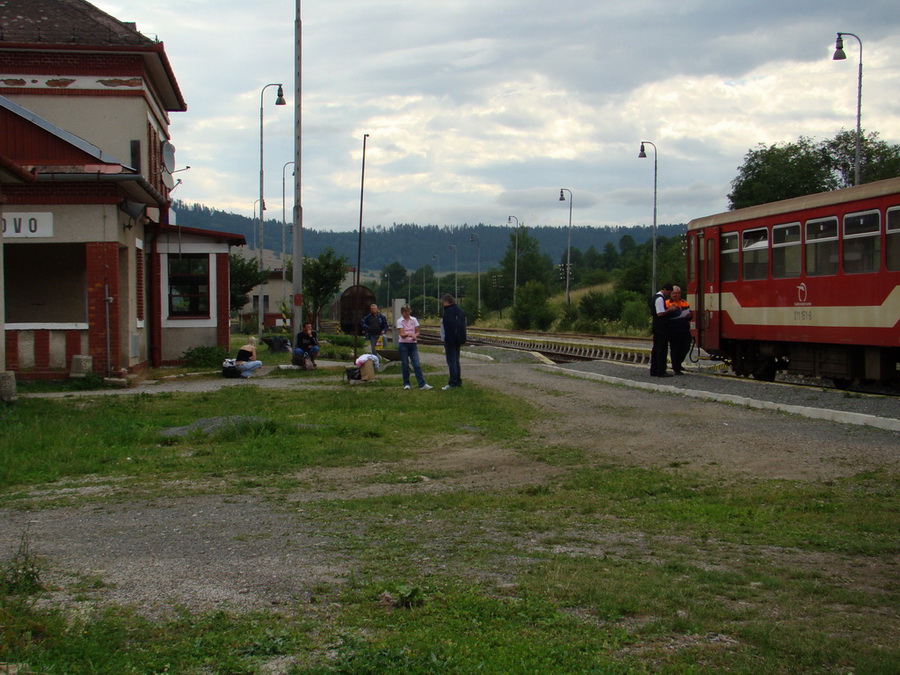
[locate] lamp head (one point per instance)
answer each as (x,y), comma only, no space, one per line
(642,154)
(839,54)
(279,99)
(562,197)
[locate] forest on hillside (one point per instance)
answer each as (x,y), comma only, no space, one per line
(414,245)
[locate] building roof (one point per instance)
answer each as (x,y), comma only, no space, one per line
(74,22)
(76,25)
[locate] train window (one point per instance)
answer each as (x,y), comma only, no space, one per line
(710,261)
(892,240)
(786,251)
(756,253)
(821,247)
(728,254)
(862,242)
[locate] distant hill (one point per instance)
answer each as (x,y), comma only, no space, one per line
(414,245)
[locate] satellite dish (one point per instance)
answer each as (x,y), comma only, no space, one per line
(168,156)
(167,180)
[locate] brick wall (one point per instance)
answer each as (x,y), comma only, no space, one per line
(103,273)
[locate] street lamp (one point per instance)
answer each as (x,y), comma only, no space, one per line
(473,237)
(283,228)
(562,198)
(839,55)
(643,155)
(279,100)
(516,261)
(452,247)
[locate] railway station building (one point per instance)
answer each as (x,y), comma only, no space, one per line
(93,264)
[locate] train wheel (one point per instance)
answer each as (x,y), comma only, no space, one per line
(765,370)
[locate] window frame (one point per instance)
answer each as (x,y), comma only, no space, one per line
(813,244)
(733,254)
(752,267)
(851,244)
(892,238)
(781,251)
(199,292)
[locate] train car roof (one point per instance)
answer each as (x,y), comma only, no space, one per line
(865,191)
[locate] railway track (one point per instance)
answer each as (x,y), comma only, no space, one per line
(570,348)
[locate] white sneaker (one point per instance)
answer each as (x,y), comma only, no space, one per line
(406,386)
(446,387)
(425,386)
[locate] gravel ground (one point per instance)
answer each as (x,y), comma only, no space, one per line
(246,552)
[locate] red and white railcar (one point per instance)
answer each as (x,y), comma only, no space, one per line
(810,285)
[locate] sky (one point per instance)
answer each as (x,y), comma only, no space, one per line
(478,110)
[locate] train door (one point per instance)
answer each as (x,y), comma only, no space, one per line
(708,315)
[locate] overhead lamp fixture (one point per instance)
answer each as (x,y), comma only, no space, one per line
(279,99)
(839,54)
(642,154)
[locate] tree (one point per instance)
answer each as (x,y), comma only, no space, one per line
(778,172)
(802,168)
(244,275)
(877,159)
(322,279)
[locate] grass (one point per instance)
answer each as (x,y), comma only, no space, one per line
(602,569)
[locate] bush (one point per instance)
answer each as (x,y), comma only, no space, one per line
(205,357)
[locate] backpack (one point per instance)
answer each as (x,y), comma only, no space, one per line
(353,374)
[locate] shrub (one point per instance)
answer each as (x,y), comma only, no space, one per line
(205,356)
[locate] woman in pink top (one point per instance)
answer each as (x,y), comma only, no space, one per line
(408,327)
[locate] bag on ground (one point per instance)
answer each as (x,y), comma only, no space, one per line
(353,374)
(230,369)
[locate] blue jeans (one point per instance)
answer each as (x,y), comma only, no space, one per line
(409,351)
(452,353)
(312,352)
(247,367)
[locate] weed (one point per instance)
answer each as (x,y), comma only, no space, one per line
(21,574)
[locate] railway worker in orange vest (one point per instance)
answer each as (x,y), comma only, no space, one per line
(679,329)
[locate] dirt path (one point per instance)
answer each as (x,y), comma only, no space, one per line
(243,552)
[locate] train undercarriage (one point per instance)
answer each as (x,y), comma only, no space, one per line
(845,365)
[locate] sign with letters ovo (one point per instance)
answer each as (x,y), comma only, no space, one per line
(20,225)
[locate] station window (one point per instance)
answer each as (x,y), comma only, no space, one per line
(821,247)
(189,285)
(755,247)
(862,242)
(728,256)
(786,251)
(892,239)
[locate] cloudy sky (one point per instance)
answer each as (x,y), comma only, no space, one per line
(481,109)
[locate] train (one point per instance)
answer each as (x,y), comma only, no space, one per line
(809,285)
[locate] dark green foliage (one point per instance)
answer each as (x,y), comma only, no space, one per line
(205,356)
(244,275)
(782,171)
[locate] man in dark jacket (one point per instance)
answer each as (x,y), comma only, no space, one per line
(373,325)
(453,334)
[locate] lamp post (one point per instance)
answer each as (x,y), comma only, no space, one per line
(473,237)
(562,198)
(839,55)
(283,228)
(362,184)
(643,155)
(387,298)
(437,275)
(423,290)
(452,247)
(279,100)
(516,261)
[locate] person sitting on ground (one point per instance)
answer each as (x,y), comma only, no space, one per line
(246,361)
(306,346)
